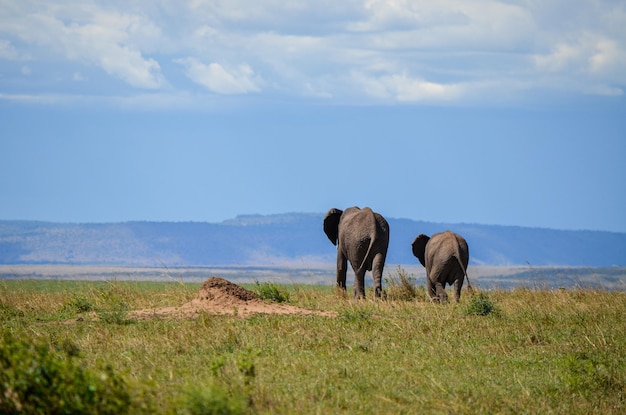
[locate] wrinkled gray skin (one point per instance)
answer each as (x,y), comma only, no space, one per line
(362,237)
(445,256)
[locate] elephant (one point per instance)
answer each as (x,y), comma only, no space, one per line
(361,237)
(445,256)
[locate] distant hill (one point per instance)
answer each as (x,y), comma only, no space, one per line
(284,239)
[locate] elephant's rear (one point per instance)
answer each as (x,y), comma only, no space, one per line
(369,240)
(463,251)
(447,256)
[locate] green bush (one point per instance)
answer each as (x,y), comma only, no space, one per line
(114,303)
(116,312)
(37,380)
(79,304)
(229,392)
(270,292)
(401,286)
(480,305)
(8,312)
(215,400)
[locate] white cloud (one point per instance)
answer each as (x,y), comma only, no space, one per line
(446,24)
(403,88)
(374,51)
(7,50)
(562,57)
(608,58)
(592,61)
(90,35)
(216,78)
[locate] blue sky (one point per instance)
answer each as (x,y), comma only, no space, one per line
(493,112)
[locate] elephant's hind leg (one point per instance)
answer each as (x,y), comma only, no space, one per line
(359,284)
(342,269)
(377,272)
(458,284)
(441,292)
(430,288)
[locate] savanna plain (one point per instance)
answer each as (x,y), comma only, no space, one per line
(81,347)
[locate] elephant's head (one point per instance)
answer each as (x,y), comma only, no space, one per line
(331,224)
(419,247)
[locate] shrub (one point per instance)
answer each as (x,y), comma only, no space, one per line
(401,286)
(215,400)
(114,304)
(229,392)
(270,292)
(480,305)
(79,304)
(115,313)
(8,312)
(35,379)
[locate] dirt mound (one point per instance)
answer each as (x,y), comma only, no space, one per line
(219,296)
(218,289)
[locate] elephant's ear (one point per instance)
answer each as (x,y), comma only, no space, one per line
(419,247)
(331,224)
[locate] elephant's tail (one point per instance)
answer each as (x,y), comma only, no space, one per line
(457,255)
(367,255)
(469,284)
(373,239)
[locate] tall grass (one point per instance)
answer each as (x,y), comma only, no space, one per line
(543,351)
(402,286)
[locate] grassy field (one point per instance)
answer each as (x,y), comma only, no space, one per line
(518,351)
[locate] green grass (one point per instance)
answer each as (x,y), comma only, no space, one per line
(520,351)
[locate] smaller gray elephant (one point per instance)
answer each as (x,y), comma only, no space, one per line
(445,256)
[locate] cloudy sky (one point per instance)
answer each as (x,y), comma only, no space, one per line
(496,112)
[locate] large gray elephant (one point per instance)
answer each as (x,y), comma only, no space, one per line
(362,237)
(445,256)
